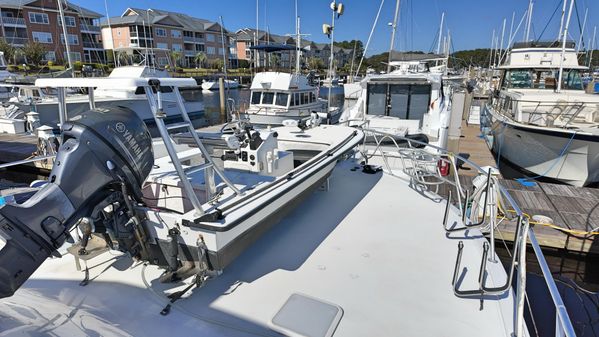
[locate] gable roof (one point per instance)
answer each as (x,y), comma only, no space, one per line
(162,17)
(70,6)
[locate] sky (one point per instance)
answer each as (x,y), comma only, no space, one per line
(470,22)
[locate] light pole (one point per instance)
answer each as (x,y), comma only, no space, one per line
(337,9)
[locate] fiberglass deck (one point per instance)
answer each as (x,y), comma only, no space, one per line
(370,244)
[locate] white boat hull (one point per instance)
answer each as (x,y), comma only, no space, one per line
(48,112)
(548,153)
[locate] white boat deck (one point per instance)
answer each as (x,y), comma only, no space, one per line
(370,244)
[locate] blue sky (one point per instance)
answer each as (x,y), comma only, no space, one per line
(471,22)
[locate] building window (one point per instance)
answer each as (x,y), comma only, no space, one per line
(177,47)
(162,61)
(211,50)
(220,51)
(69,20)
(41,18)
(175,33)
(200,47)
(160,32)
(160,45)
(75,56)
(73,39)
(50,56)
(42,37)
(210,38)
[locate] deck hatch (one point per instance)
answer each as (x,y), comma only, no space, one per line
(302,315)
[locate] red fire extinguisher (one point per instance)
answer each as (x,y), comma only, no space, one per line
(443,166)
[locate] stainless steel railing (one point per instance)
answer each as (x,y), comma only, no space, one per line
(524,233)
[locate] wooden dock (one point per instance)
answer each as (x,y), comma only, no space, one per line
(575,209)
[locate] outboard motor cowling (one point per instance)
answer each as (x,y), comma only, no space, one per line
(102,150)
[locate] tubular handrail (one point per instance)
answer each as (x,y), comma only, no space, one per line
(564,325)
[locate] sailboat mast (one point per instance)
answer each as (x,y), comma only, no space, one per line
(440,33)
(584,24)
(66,36)
(564,38)
(529,21)
(561,24)
(394,29)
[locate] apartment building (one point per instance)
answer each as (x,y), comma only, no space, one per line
(247,37)
(22,21)
(166,32)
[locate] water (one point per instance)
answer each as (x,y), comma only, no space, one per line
(241,97)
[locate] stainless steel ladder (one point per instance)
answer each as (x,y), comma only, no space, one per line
(154,94)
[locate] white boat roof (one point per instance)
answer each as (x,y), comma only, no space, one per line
(271,80)
(111,82)
(371,245)
(541,57)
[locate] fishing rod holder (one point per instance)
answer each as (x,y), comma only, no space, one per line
(520,238)
(466,226)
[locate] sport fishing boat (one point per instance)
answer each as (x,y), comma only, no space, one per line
(409,101)
(277,97)
(162,237)
(44,101)
(213,85)
(546,129)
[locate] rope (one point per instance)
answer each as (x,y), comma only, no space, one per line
(549,21)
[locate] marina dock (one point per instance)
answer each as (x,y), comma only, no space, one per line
(574,210)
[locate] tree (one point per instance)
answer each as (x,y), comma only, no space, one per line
(176,56)
(218,64)
(274,61)
(8,50)
(200,59)
(315,63)
(34,52)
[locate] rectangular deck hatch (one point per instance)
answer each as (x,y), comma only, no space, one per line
(302,315)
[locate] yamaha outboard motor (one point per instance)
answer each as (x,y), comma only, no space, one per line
(104,151)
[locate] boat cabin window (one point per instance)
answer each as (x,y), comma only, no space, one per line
(268,98)
(312,97)
(541,79)
(282,99)
(405,101)
(256,97)
(142,91)
(29,93)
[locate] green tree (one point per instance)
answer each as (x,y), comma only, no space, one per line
(200,59)
(315,63)
(218,64)
(176,56)
(8,50)
(34,52)
(274,61)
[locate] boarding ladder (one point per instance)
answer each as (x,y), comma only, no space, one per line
(154,94)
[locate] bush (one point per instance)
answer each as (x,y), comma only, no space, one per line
(77,66)
(50,63)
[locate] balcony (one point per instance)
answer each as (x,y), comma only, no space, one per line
(190,53)
(85,28)
(16,41)
(92,45)
(8,21)
(191,39)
